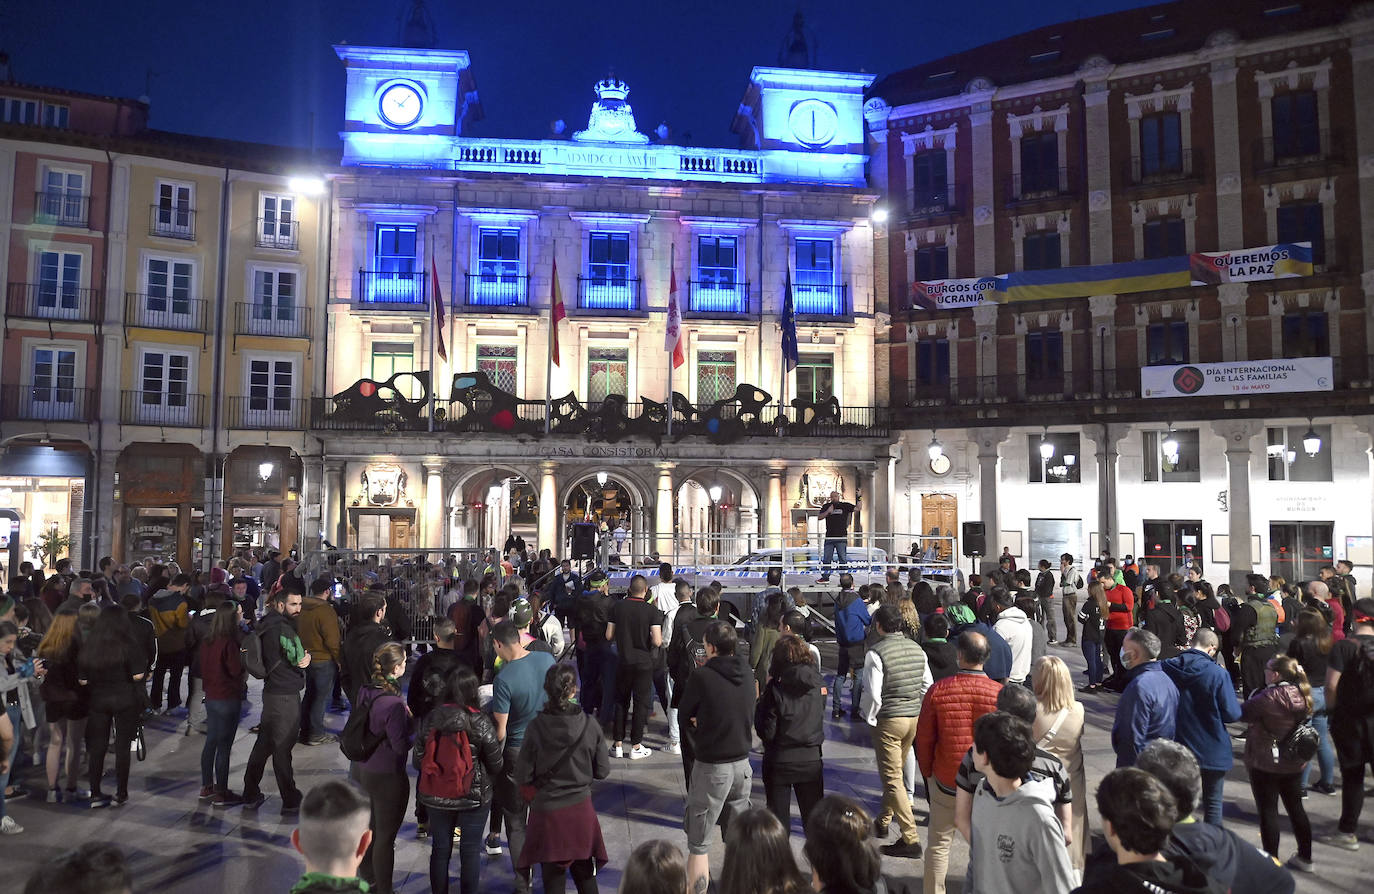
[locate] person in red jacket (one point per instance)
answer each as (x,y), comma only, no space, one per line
(944,733)
(1120,615)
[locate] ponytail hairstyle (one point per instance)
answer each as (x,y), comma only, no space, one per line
(560,685)
(1289,671)
(388,663)
(840,847)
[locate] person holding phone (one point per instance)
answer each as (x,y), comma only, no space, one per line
(835,512)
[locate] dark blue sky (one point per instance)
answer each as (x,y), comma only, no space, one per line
(263,70)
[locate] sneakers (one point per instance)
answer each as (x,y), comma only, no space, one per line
(1298,864)
(1343,840)
(674,748)
(1324,788)
(880,828)
(100,801)
(253,802)
(639,752)
(321,739)
(16,793)
(911,851)
(836,714)
(291,808)
(227,799)
(9,827)
(54,795)
(119,801)
(617,751)
(493,846)
(421,831)
(207,792)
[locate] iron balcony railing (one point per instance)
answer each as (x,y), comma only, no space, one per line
(716,298)
(279,320)
(53,301)
(1300,149)
(609,294)
(498,290)
(34,403)
(179,409)
(278,233)
(1170,166)
(267,413)
(165,312)
(62,209)
(821,300)
(172,222)
(392,289)
(1030,186)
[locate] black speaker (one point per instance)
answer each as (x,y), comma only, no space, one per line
(975,539)
(583,540)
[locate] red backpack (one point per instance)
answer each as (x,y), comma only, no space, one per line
(448,767)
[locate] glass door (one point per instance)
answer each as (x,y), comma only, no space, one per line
(1172,545)
(1298,549)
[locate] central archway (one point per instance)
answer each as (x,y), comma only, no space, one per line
(486,507)
(716,517)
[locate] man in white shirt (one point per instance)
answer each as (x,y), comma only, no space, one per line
(664,593)
(1014,627)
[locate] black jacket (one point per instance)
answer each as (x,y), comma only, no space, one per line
(1044,584)
(561,755)
(196,634)
(429,680)
(720,698)
(688,624)
(1166,622)
(359,647)
(942,658)
(146,639)
(284,675)
(1219,853)
(1178,875)
(486,753)
(790,716)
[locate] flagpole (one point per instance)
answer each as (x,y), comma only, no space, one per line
(433,336)
(548,365)
(672,355)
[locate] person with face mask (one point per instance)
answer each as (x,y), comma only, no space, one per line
(1149,704)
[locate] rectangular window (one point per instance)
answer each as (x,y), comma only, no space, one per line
(932,262)
(59,283)
(815,377)
(64,197)
(54,376)
(390,358)
(19,111)
(1299,550)
(278,222)
(274,295)
(169,287)
(174,203)
(1297,128)
(717,263)
(1045,358)
(395,249)
(55,116)
(499,362)
(166,380)
(1304,222)
(1172,455)
(1039,163)
(1166,344)
(270,386)
(715,376)
(1054,458)
(1040,251)
(1305,334)
(815,290)
(1161,144)
(929,180)
(608,372)
(1289,456)
(932,361)
(608,259)
(498,254)
(1165,237)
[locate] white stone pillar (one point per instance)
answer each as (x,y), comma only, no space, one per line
(434,504)
(984,190)
(663,512)
(1099,161)
(549,511)
(1226,149)
(100,530)
(1238,434)
(333,509)
(989,442)
(884,496)
(773,509)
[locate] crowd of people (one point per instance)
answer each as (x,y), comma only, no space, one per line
(497,690)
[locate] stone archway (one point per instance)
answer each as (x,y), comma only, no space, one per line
(716,516)
(487,504)
(624,498)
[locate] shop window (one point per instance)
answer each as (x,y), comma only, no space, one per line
(257,527)
(815,377)
(500,363)
(1304,222)
(256,475)
(1166,344)
(932,361)
(1161,144)
(608,372)
(1040,251)
(1305,334)
(1297,131)
(1299,550)
(1290,457)
(715,376)
(1054,458)
(1165,237)
(1172,455)
(932,263)
(151,533)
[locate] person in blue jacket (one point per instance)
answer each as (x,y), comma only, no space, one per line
(1149,704)
(1206,703)
(851,627)
(961,618)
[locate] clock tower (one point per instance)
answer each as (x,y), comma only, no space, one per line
(797,109)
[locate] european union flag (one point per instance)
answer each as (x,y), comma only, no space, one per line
(789,328)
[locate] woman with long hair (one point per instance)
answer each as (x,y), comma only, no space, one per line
(225,683)
(840,848)
(790,720)
(112,666)
(383,775)
(561,756)
(1091,618)
(655,867)
(1310,648)
(65,702)
(1273,712)
(459,713)
(1058,729)
(758,857)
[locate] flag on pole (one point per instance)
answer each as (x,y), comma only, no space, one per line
(789,328)
(673,341)
(558,314)
(438,302)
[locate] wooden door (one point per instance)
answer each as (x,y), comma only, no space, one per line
(400,532)
(939,518)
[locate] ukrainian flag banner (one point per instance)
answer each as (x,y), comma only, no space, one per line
(1100,279)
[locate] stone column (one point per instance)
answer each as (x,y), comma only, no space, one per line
(1226,149)
(1103,310)
(549,532)
(773,526)
(100,530)
(1232,297)
(1362,71)
(984,233)
(1238,433)
(334,509)
(663,512)
(989,440)
(1108,436)
(434,533)
(1099,162)
(884,497)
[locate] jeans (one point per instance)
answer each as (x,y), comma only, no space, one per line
(221,722)
(663,686)
(832,547)
(637,682)
(781,780)
(169,664)
(1212,783)
(1268,788)
(98,742)
(1047,616)
(514,811)
(892,741)
(1092,653)
(1068,610)
(939,834)
(319,685)
(390,794)
(441,825)
(277,731)
(1326,749)
(17,724)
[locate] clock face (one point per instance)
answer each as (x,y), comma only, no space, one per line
(940,464)
(813,122)
(401,105)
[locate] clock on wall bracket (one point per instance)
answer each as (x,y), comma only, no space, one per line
(939,465)
(400,104)
(813,122)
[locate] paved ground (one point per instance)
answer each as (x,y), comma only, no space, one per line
(179,845)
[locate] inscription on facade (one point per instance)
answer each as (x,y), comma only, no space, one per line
(601,452)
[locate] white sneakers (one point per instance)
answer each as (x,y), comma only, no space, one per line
(617,751)
(638,752)
(9,827)
(674,748)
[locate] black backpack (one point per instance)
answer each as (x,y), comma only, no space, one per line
(357,741)
(1355,691)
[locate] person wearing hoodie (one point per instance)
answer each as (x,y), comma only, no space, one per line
(851,627)
(285,660)
(1272,713)
(169,611)
(686,656)
(790,721)
(367,634)
(718,704)
(1013,626)
(333,836)
(1149,704)
(999,657)
(197,633)
(561,755)
(1206,703)
(1017,840)
(1138,814)
(319,626)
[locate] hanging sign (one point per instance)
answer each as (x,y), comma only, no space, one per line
(1238,378)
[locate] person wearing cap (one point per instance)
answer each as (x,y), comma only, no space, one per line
(522,616)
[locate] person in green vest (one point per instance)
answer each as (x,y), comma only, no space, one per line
(333,835)
(895,679)
(1255,625)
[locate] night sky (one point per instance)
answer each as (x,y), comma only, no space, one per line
(264,70)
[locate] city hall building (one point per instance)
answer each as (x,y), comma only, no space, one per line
(1130,265)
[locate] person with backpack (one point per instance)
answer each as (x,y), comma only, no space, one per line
(169,611)
(1255,627)
(790,720)
(382,772)
(561,755)
(1276,770)
(686,655)
(458,756)
(273,653)
(1350,706)
(428,687)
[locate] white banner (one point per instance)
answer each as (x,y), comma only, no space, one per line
(1240,378)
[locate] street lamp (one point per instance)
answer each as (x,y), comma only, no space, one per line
(1311,442)
(879,215)
(265,470)
(714,493)
(1046,448)
(306,186)
(936,449)
(601,478)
